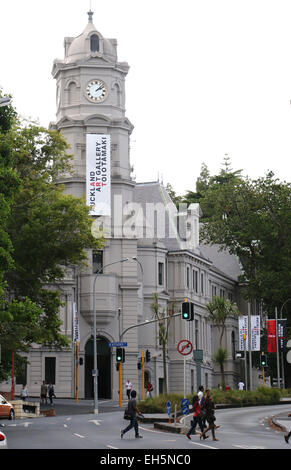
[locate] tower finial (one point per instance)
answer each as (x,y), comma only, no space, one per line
(90,15)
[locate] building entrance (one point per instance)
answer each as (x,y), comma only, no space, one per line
(103,365)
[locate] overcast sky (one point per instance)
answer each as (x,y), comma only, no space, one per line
(207,78)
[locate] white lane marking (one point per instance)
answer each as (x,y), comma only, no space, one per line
(95,421)
(26,424)
(68,419)
(111,447)
(79,435)
(203,445)
(65,425)
(249,447)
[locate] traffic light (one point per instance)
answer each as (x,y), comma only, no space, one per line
(120,355)
(188,311)
(148,356)
(263,360)
(139,365)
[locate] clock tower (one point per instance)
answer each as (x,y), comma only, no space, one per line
(90,99)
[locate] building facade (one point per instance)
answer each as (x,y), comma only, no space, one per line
(161,245)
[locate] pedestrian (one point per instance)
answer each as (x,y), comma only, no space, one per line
(210,417)
(241,385)
(149,389)
(128,387)
(196,418)
(43,392)
(287,436)
(24,393)
(51,393)
(201,401)
(133,411)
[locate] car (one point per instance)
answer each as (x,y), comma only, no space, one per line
(6,409)
(3,441)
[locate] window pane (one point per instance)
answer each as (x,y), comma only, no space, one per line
(98,261)
(21,378)
(94,43)
(161,273)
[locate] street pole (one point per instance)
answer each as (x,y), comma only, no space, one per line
(246,369)
(95,333)
(142,365)
(250,344)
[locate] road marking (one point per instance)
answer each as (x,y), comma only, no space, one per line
(69,419)
(203,445)
(111,447)
(65,425)
(26,424)
(249,447)
(79,435)
(95,421)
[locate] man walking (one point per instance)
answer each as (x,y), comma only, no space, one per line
(132,411)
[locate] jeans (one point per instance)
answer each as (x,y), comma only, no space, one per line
(133,424)
(196,419)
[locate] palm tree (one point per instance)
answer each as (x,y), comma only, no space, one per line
(220,310)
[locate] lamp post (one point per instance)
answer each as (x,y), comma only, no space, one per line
(95,334)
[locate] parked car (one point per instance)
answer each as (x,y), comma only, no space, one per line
(6,409)
(3,441)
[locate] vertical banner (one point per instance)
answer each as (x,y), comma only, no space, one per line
(243,329)
(98,180)
(76,331)
(271,335)
(255,328)
(255,333)
(282,334)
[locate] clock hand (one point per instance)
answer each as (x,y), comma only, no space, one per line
(100,88)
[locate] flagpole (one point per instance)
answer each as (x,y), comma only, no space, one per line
(77,371)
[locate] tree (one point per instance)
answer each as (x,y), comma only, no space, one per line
(49,232)
(220,311)
(252,219)
(163,333)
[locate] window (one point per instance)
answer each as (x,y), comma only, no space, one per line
(230,296)
(213,291)
(161,274)
(195,280)
(98,261)
(196,334)
(188,277)
(222,293)
(202,283)
(50,370)
(21,377)
(94,43)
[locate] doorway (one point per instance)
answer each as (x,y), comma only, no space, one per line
(103,365)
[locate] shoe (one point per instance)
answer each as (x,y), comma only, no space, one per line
(215,439)
(205,437)
(201,435)
(216,427)
(189,437)
(138,437)
(286,439)
(121,434)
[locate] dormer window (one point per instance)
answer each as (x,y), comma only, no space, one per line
(94,43)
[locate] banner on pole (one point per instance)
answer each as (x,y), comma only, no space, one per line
(76,330)
(98,180)
(282,334)
(255,333)
(271,335)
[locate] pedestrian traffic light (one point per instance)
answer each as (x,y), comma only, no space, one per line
(263,360)
(148,356)
(188,311)
(120,355)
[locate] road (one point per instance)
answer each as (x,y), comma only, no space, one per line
(243,428)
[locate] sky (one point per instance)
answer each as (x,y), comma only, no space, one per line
(207,78)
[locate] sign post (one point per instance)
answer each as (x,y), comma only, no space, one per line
(169,410)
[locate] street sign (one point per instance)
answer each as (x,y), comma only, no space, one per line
(185,347)
(185,406)
(118,344)
(169,408)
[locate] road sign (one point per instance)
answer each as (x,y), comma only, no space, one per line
(185,406)
(185,347)
(118,344)
(169,408)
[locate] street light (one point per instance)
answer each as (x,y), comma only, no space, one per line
(5,101)
(95,335)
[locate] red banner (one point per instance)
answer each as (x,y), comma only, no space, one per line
(271,335)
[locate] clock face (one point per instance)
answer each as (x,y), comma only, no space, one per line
(96,91)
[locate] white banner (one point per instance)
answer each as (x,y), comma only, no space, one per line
(255,333)
(76,330)
(98,181)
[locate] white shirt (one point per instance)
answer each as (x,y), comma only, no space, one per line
(241,386)
(128,385)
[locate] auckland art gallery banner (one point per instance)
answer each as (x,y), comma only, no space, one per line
(255,333)
(98,183)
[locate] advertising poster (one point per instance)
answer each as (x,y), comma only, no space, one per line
(271,335)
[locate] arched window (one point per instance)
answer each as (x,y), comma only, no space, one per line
(94,43)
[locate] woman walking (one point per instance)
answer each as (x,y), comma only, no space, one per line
(196,418)
(210,407)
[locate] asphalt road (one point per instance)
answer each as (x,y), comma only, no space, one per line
(243,428)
